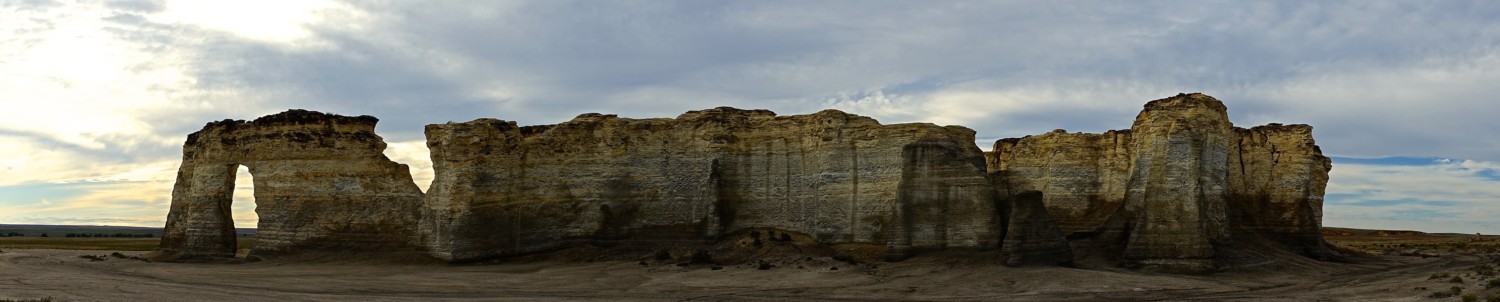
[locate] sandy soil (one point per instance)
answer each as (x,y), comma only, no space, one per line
(64,276)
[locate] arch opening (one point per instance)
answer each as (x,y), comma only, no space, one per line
(243,218)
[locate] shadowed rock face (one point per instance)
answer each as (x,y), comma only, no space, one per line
(321,183)
(840,178)
(1276,183)
(1031,236)
(1178,186)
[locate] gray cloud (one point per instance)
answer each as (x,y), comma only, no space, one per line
(141,6)
(1078,66)
(431,62)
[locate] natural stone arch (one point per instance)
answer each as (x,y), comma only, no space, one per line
(321,183)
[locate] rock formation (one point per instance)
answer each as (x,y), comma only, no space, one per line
(321,183)
(1178,186)
(1176,191)
(840,178)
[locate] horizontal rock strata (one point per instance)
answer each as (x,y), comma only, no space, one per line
(840,178)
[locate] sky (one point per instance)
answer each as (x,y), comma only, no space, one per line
(98,96)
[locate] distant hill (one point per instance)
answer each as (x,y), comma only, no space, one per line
(1335,231)
(36,230)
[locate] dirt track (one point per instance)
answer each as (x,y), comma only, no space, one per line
(62,275)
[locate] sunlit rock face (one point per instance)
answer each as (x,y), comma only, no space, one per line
(501,189)
(1179,186)
(321,182)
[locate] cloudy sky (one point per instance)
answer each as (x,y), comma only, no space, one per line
(98,95)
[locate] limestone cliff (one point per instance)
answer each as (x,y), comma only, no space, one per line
(840,178)
(1177,186)
(321,183)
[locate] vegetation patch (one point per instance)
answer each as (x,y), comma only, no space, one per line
(1452,291)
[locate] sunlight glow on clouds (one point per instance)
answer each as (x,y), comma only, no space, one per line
(71,66)
(242,208)
(277,21)
(417,158)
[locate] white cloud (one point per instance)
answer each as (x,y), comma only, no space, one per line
(272,21)
(417,158)
(65,78)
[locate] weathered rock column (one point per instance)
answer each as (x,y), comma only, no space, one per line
(1277,178)
(1178,184)
(1173,191)
(200,223)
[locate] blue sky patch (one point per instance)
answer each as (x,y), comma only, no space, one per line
(1388,161)
(1397,202)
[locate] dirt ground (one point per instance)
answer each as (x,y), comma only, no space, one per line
(1397,269)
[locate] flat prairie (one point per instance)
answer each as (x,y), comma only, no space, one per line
(1385,268)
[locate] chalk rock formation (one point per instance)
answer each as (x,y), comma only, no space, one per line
(1180,190)
(1031,236)
(321,183)
(1178,185)
(840,178)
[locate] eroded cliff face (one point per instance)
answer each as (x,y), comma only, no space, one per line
(1178,186)
(1276,184)
(1083,176)
(840,178)
(321,183)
